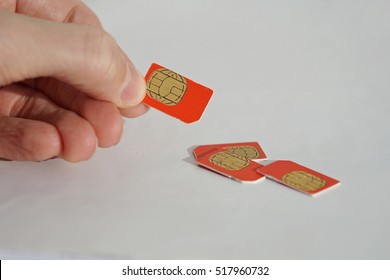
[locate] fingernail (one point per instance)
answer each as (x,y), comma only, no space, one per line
(134,90)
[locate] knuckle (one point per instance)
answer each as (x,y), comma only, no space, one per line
(100,52)
(27,144)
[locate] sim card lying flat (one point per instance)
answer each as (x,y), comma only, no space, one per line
(297,177)
(231,164)
(175,95)
(250,150)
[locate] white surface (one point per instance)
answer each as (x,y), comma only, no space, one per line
(309,80)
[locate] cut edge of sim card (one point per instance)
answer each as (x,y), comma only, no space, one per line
(315,194)
(244,174)
(205,149)
(322,190)
(230,176)
(199,116)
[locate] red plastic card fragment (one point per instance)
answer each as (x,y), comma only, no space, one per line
(297,177)
(175,95)
(231,164)
(250,150)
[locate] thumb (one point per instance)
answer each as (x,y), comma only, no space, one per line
(85,57)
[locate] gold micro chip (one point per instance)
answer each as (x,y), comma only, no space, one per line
(303,180)
(166,86)
(229,161)
(244,151)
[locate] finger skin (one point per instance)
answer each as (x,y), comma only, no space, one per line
(135,112)
(77,135)
(104,116)
(55,10)
(83,56)
(100,71)
(28,140)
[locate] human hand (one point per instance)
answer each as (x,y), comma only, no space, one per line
(64,82)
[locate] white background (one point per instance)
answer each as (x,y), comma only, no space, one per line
(309,80)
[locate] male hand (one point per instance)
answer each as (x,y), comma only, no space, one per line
(64,82)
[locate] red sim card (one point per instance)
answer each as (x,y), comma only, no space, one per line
(175,95)
(250,150)
(231,165)
(297,177)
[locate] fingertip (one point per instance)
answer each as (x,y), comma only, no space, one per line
(78,138)
(84,151)
(108,124)
(44,142)
(136,111)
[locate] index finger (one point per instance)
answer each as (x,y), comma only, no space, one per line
(82,56)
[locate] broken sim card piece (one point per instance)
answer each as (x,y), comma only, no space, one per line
(297,177)
(250,150)
(231,164)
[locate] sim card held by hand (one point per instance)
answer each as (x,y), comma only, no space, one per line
(175,95)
